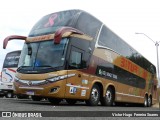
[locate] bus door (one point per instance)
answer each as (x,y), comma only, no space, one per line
(74,80)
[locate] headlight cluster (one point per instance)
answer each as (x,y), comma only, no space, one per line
(41,82)
(16,79)
(30,82)
(57,78)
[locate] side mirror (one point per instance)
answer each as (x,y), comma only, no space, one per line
(5,42)
(65,30)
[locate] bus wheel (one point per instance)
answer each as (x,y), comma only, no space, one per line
(22,96)
(71,101)
(54,101)
(1,96)
(94,96)
(36,98)
(109,98)
(9,95)
(145,101)
(149,101)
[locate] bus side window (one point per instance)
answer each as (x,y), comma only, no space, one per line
(75,60)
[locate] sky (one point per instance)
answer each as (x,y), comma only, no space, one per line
(124,17)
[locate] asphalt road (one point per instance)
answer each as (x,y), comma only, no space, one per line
(25,107)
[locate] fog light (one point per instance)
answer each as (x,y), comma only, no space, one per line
(54,89)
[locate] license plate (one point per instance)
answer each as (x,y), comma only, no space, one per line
(30,92)
(9,86)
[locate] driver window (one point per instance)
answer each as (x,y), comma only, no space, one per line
(75,60)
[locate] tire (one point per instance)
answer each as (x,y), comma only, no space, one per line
(36,98)
(94,96)
(1,96)
(71,101)
(145,101)
(9,95)
(54,101)
(19,96)
(108,100)
(149,101)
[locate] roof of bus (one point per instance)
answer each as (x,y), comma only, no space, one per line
(78,19)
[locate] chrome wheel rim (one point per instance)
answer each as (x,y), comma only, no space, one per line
(108,96)
(94,94)
(145,102)
(149,101)
(9,95)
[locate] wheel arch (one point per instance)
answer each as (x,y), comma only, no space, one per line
(146,94)
(112,86)
(100,85)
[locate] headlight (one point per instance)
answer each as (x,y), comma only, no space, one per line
(57,78)
(16,79)
(53,79)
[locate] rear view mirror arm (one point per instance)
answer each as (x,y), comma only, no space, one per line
(5,42)
(59,33)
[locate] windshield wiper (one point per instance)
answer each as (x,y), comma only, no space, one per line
(48,66)
(21,67)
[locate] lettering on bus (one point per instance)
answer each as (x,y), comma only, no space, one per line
(103,72)
(40,38)
(11,61)
(145,74)
(128,65)
(133,68)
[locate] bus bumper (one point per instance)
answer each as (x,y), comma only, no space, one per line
(2,92)
(5,88)
(55,89)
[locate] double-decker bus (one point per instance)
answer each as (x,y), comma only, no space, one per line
(8,73)
(72,55)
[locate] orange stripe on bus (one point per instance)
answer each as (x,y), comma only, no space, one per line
(11,70)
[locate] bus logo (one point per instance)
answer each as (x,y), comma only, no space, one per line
(51,20)
(30,83)
(6,114)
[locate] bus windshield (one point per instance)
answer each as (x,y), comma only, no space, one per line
(42,56)
(11,60)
